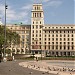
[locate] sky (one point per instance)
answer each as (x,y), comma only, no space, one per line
(55,11)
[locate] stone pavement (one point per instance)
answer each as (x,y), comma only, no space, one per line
(13,68)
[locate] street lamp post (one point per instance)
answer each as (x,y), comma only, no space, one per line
(5,32)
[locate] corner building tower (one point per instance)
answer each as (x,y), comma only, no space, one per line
(37,23)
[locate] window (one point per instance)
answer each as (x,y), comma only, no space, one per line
(33,22)
(60,35)
(45,47)
(36,35)
(52,47)
(60,31)
(72,31)
(33,35)
(49,31)
(40,31)
(56,31)
(60,47)
(45,39)
(64,35)
(35,8)
(36,31)
(60,42)
(72,47)
(52,39)
(68,31)
(40,22)
(45,35)
(35,14)
(68,42)
(40,35)
(64,31)
(72,42)
(45,42)
(72,35)
(64,42)
(64,47)
(40,14)
(68,47)
(36,27)
(72,39)
(39,42)
(52,35)
(56,42)
(64,39)
(39,38)
(52,31)
(49,35)
(45,31)
(52,42)
(56,47)
(56,35)
(68,39)
(48,47)
(56,39)
(40,26)
(68,35)
(71,27)
(32,38)
(53,27)
(48,42)
(33,27)
(49,39)
(60,39)
(63,27)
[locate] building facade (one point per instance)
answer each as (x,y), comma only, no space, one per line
(24,31)
(39,38)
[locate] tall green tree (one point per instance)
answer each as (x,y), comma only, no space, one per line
(11,38)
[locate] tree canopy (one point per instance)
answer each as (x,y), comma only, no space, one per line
(11,37)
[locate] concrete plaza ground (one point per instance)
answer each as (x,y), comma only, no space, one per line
(13,68)
(58,67)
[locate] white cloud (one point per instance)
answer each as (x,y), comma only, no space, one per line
(27,7)
(22,14)
(1,10)
(46,0)
(13,15)
(54,3)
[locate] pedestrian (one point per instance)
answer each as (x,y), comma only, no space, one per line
(13,57)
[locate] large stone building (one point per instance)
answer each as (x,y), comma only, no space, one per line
(39,38)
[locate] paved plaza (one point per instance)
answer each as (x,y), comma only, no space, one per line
(57,67)
(13,68)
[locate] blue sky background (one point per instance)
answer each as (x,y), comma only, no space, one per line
(55,11)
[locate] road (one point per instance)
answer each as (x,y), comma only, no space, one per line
(13,68)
